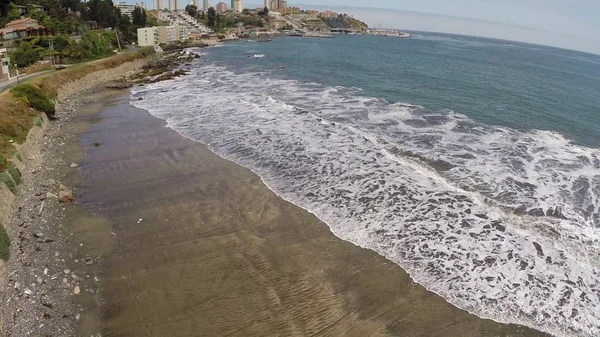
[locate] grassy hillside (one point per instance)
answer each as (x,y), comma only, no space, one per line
(20,106)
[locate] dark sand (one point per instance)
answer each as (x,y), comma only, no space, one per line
(218,254)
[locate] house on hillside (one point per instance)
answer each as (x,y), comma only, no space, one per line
(21,28)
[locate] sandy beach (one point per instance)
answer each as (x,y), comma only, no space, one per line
(186,243)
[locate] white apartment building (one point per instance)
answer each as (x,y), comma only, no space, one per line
(4,65)
(159,4)
(175,5)
(206,5)
(146,36)
(238,5)
(127,9)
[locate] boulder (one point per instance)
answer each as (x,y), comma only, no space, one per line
(65,196)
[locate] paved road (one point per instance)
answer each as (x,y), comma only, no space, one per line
(9,84)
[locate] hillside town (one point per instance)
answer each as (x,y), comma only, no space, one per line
(38,37)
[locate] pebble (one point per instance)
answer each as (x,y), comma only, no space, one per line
(66,271)
(46,271)
(65,280)
(39,280)
(28,292)
(76,290)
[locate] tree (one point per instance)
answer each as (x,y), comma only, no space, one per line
(70,5)
(103,12)
(192,10)
(212,16)
(139,17)
(13,13)
(245,11)
(266,10)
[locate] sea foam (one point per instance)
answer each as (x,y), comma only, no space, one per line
(500,222)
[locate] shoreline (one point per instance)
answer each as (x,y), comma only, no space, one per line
(293,274)
(391,284)
(533,329)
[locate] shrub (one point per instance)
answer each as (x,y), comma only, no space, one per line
(15,174)
(3,162)
(37,121)
(35,97)
(6,178)
(4,243)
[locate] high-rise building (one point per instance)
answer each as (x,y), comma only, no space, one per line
(206,5)
(238,5)
(232,5)
(221,7)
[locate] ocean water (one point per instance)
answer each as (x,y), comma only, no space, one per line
(472,163)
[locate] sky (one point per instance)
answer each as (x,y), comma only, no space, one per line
(571,24)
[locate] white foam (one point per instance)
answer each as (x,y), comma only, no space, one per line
(367,168)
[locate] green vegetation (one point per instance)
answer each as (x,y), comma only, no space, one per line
(192,10)
(37,121)
(221,22)
(7,179)
(67,19)
(4,244)
(345,21)
(3,162)
(19,106)
(15,174)
(35,98)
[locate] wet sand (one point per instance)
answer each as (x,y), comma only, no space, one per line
(190,244)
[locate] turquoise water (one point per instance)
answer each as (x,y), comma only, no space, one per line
(474,164)
(496,82)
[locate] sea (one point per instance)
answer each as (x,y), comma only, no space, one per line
(472,163)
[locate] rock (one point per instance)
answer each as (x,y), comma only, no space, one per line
(66,271)
(76,290)
(50,195)
(65,280)
(77,316)
(51,182)
(46,271)
(65,196)
(39,280)
(28,292)
(74,165)
(62,187)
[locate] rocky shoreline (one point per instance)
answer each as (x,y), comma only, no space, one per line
(38,285)
(44,273)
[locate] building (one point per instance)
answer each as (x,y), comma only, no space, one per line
(221,7)
(25,9)
(175,5)
(4,65)
(24,27)
(278,5)
(159,4)
(206,5)
(238,6)
(159,15)
(166,34)
(268,4)
(328,14)
(146,36)
(127,9)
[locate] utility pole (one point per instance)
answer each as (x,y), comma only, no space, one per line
(117,35)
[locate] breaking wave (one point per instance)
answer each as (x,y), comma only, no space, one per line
(502,223)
